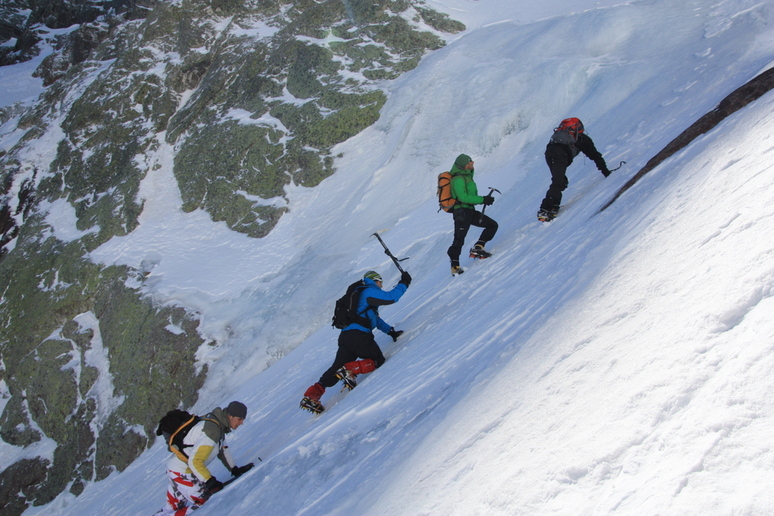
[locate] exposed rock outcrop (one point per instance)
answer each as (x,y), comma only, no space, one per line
(739,98)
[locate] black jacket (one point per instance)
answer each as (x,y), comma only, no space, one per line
(585,145)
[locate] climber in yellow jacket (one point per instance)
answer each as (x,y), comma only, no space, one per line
(190,482)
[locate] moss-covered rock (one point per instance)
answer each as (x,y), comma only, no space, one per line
(440,21)
(15,424)
(74,333)
(220,159)
(19,484)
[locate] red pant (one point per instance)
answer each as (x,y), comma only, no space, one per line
(353,344)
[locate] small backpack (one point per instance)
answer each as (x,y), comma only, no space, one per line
(174,426)
(568,131)
(345,312)
(445,199)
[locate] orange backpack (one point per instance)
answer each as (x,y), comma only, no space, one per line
(445,199)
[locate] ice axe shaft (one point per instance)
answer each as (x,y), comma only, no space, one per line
(484,208)
(619,166)
(388,253)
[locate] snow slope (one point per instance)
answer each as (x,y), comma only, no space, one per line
(615,362)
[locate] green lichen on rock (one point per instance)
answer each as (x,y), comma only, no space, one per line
(56,382)
(15,425)
(20,483)
(440,21)
(97,167)
(51,388)
(280,140)
(222,165)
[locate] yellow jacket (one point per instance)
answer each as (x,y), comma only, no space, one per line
(204,442)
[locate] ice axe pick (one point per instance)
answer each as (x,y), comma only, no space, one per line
(387,251)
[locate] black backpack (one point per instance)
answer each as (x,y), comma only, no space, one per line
(174,426)
(345,312)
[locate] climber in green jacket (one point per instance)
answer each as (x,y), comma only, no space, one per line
(465,192)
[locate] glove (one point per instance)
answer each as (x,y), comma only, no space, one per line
(239,471)
(605,172)
(394,334)
(488,200)
(213,485)
(405,278)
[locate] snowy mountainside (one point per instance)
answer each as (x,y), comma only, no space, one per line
(603,363)
(411,143)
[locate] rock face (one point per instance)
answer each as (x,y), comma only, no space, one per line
(252,96)
(754,89)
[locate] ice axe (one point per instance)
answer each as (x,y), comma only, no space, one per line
(484,208)
(387,251)
(247,467)
(619,166)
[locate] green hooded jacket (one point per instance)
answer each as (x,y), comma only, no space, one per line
(463,188)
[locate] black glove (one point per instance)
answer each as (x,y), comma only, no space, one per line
(394,334)
(405,278)
(605,172)
(488,200)
(239,471)
(213,485)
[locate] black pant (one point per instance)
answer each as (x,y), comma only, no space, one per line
(558,160)
(353,344)
(463,219)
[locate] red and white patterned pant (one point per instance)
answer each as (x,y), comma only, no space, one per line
(184,495)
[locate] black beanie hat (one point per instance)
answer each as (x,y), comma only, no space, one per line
(237,409)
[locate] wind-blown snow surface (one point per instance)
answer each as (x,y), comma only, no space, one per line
(616,362)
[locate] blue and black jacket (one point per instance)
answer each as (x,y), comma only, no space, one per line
(371,298)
